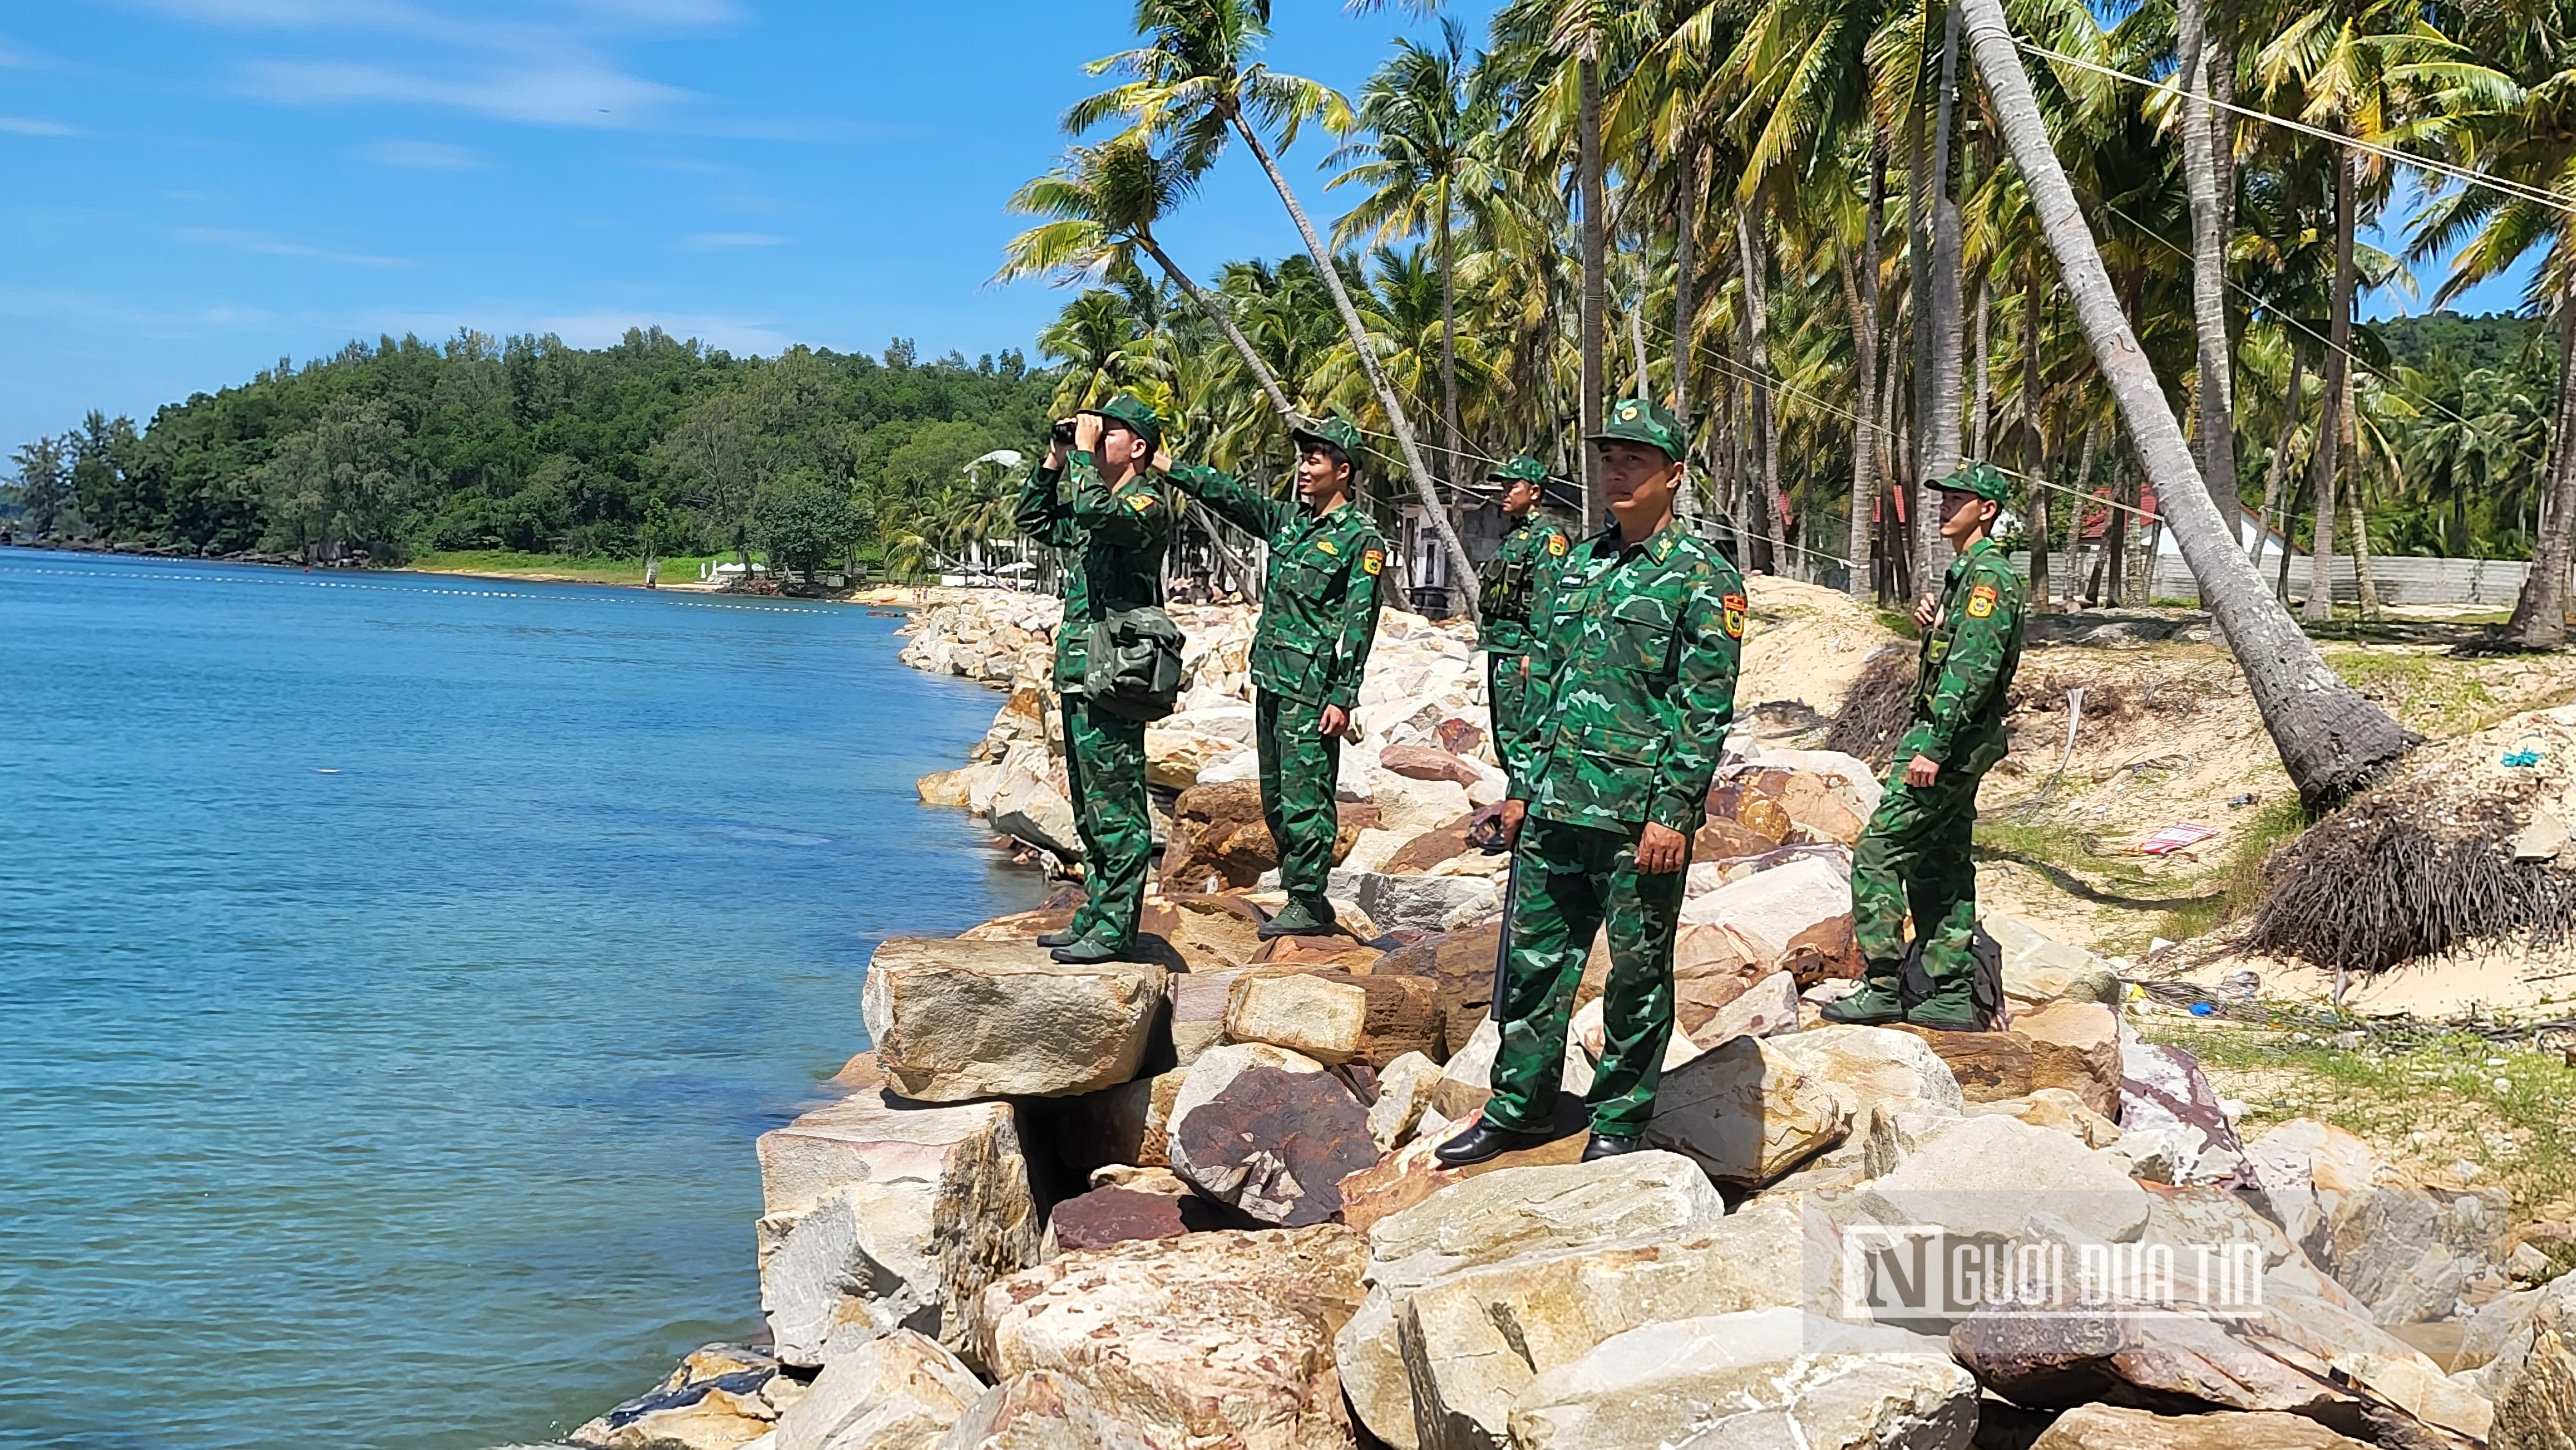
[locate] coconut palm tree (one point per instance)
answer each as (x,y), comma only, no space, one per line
(2331,739)
(1196,81)
(1104,201)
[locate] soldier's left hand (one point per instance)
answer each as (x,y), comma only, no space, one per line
(1162,460)
(1335,721)
(1922,771)
(1086,432)
(1662,850)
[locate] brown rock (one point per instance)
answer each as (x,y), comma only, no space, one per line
(1411,1174)
(1816,812)
(1825,952)
(1459,736)
(1317,952)
(1395,1015)
(1218,1339)
(2105,1427)
(1020,925)
(1421,762)
(1990,1066)
(1123,1124)
(1106,1216)
(1210,932)
(1218,839)
(2075,1046)
(1269,1132)
(1433,847)
(1461,964)
(1723,838)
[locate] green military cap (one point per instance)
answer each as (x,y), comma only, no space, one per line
(1130,412)
(1982,479)
(1334,433)
(1523,469)
(1643,420)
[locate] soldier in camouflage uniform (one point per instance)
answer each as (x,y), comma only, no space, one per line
(1116,527)
(1632,682)
(1510,582)
(1319,613)
(1916,848)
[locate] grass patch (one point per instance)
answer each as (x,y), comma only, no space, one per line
(2425,1101)
(2240,884)
(2433,696)
(560,566)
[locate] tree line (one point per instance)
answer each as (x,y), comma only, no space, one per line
(651,447)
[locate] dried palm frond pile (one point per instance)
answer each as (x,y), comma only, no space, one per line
(1878,706)
(2425,864)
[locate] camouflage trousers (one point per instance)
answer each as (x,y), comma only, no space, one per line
(1506,695)
(1567,880)
(1915,853)
(1104,773)
(1299,768)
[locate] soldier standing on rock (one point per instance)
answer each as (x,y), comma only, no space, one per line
(1632,678)
(1116,526)
(1509,584)
(1319,612)
(1917,845)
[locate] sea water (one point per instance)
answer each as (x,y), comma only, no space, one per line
(394,973)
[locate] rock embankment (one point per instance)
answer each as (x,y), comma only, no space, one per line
(1190,1203)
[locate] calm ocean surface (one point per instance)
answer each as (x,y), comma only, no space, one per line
(395,970)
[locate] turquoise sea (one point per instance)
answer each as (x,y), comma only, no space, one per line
(395,970)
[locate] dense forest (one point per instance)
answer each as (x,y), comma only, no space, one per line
(653,446)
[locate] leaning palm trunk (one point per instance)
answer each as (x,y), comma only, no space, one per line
(1224,319)
(2217,393)
(2330,738)
(2540,614)
(1431,506)
(2338,373)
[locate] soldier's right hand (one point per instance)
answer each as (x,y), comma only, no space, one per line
(1514,812)
(1927,612)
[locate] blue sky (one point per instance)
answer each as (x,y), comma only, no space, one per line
(200,187)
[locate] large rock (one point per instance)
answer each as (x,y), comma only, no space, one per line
(1174,757)
(2408,1253)
(1403,1091)
(1495,1217)
(1214,1339)
(1270,1132)
(1874,1062)
(2070,1045)
(2038,969)
(1426,762)
(1763,1378)
(1420,902)
(1467,1078)
(1219,839)
(1044,1410)
(2059,1109)
(1031,810)
(2105,1427)
(899,1392)
(878,1214)
(1748,1114)
(2167,1101)
(1129,1123)
(1412,1173)
(1796,916)
(2534,1381)
(1985,1178)
(1461,964)
(1336,1016)
(1199,1001)
(1106,1216)
(957,1020)
(1475,1340)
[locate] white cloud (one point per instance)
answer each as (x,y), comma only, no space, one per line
(266,245)
(35,126)
(423,156)
(720,241)
(18,57)
(571,93)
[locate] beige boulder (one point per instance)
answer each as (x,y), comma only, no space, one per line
(1336,1016)
(1403,1091)
(898,1392)
(721,1397)
(956,1020)
(1413,1173)
(2535,1381)
(1762,1378)
(1874,1062)
(1985,1177)
(2106,1427)
(1044,1410)
(881,1214)
(1491,1218)
(1174,757)
(1030,809)
(2058,1108)
(1212,1339)
(1748,1114)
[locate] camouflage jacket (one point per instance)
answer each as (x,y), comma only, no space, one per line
(1510,582)
(1632,683)
(1967,663)
(1116,536)
(1320,604)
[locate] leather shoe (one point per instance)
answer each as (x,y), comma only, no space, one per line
(1085,952)
(1611,1145)
(1064,938)
(1483,1141)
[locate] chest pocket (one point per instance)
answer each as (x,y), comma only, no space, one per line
(1638,635)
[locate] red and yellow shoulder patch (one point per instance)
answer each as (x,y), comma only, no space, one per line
(1981,601)
(1556,545)
(1142,503)
(1735,612)
(1372,560)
